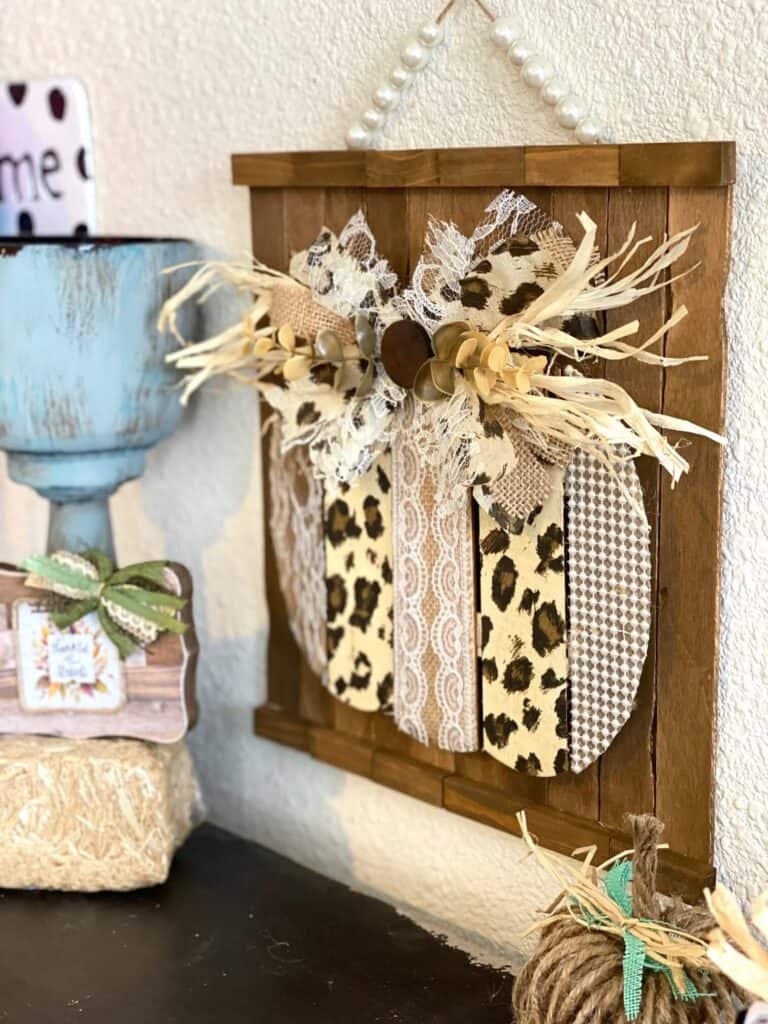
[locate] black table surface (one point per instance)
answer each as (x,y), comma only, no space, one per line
(237,934)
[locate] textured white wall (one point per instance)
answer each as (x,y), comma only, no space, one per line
(177,87)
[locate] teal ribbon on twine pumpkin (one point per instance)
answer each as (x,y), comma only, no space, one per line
(636,960)
(133,604)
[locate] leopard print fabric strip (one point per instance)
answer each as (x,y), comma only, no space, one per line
(358,577)
(523,649)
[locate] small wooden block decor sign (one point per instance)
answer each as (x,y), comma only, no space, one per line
(477,364)
(72,681)
(46,154)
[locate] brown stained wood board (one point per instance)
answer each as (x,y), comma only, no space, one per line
(662,759)
(283,655)
(695,164)
(580,794)
(337,749)
(689,544)
(647,208)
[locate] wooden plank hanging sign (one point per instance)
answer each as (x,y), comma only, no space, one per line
(545,717)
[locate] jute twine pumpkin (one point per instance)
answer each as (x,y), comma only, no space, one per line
(577,972)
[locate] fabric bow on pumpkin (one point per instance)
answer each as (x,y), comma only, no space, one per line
(637,957)
(133,604)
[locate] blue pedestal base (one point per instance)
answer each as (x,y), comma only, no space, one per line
(78,487)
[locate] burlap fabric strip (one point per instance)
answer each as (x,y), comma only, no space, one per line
(293,304)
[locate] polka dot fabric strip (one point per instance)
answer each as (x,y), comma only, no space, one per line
(608,572)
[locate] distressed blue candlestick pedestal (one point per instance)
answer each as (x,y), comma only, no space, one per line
(84,387)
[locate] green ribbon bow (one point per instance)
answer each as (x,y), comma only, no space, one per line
(133,604)
(636,959)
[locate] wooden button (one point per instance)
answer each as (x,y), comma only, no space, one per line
(405,346)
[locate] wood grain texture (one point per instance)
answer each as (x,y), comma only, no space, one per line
(693,164)
(387,213)
(283,655)
(678,164)
(271,722)
(589,166)
(580,794)
(342,751)
(662,760)
(410,777)
(622,791)
(689,536)
(303,218)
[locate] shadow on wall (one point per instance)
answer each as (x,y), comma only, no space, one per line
(200,502)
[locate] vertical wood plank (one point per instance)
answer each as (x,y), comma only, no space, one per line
(340,205)
(627,770)
(689,542)
(268,226)
(423,204)
(283,656)
(304,217)
(387,213)
(580,794)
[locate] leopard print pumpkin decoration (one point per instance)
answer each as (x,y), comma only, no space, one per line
(358,552)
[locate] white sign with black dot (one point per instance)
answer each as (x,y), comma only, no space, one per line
(46,174)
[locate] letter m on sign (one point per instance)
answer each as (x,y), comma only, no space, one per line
(46,176)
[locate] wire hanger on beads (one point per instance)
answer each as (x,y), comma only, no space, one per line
(570,109)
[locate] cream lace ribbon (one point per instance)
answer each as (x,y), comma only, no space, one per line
(436,687)
(296,525)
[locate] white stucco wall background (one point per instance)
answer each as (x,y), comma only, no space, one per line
(177,87)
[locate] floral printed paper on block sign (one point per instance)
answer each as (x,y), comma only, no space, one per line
(470,380)
(67,669)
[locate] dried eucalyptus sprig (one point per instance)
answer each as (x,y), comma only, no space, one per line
(484,363)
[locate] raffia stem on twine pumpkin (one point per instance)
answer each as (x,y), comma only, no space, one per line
(577,974)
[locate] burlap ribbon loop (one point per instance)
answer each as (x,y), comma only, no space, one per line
(133,604)
(525,482)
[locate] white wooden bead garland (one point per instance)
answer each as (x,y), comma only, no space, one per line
(570,110)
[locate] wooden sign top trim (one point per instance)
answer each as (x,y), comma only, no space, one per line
(667,164)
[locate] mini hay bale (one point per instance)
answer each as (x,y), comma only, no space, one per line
(88,815)
(609,954)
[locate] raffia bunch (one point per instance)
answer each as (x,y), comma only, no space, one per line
(514,363)
(300,337)
(733,947)
(586,412)
(577,974)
